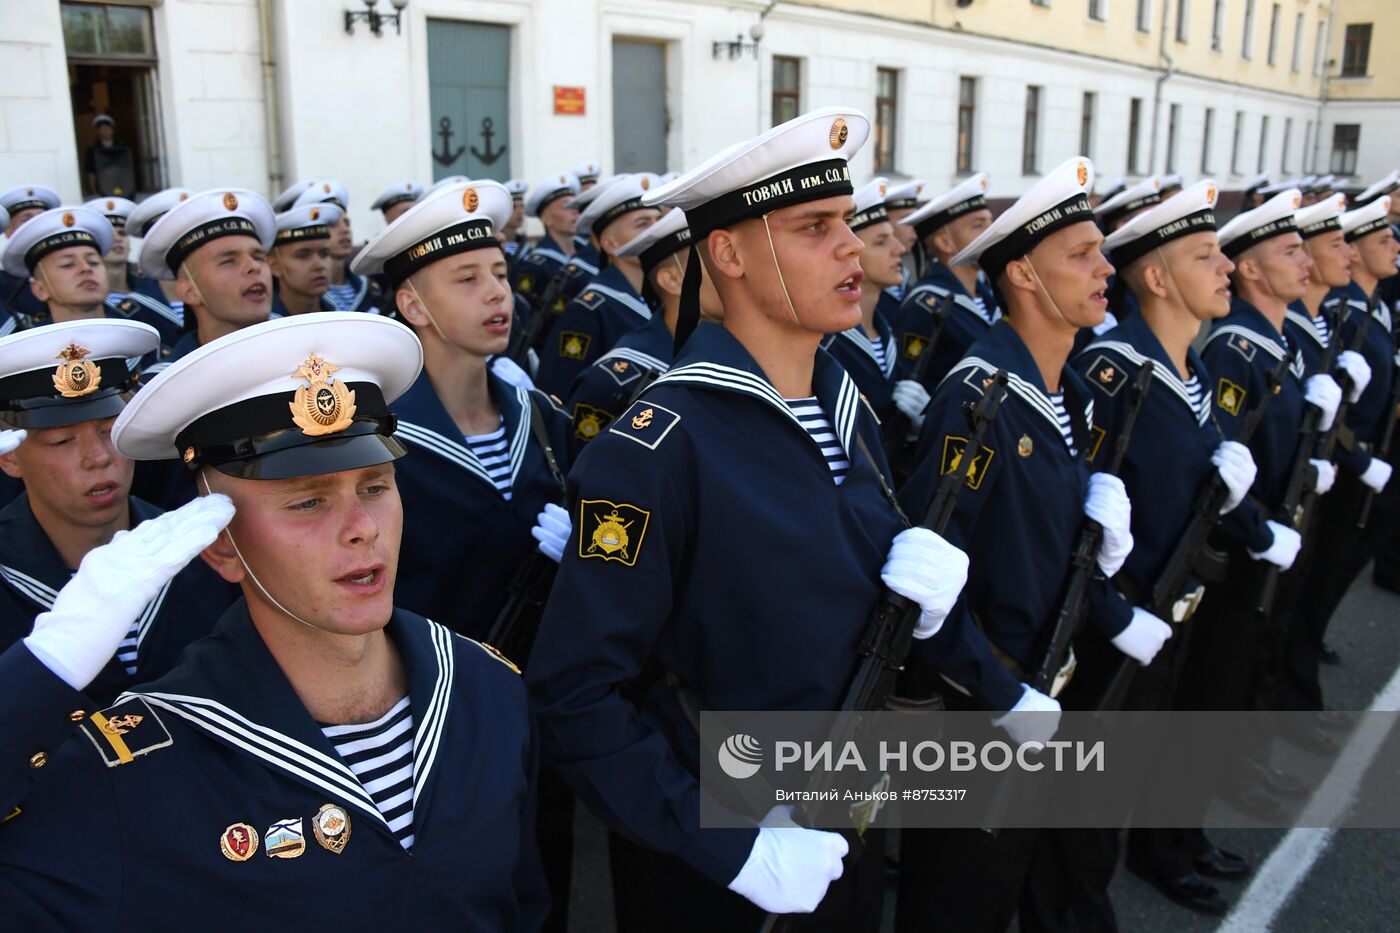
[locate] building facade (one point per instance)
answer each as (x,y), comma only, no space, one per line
(258,93)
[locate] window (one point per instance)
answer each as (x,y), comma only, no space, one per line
(1273,34)
(1183,7)
(1287,139)
(1320,48)
(1040,2)
(1247,43)
(967,113)
(92,30)
(1235,143)
(1307,146)
(1217,26)
(787,88)
(1357,50)
(1086,126)
(1345,138)
(1134,128)
(1144,15)
(886,117)
(1031,131)
(1173,124)
(1097,10)
(1263,143)
(1207,134)
(1298,43)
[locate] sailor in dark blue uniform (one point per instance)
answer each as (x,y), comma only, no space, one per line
(129,293)
(590,176)
(549,200)
(139,223)
(604,390)
(1170,256)
(320,736)
(944,226)
(347,291)
(396,199)
(1113,212)
(301,259)
(901,200)
(612,304)
(512,235)
(586,262)
(1044,255)
(867,351)
(754,425)
(21,205)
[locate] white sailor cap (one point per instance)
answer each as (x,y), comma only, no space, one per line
(669,177)
(1133,198)
(308,222)
(144,216)
(550,189)
(660,241)
(904,194)
(448,180)
(804,159)
(965,197)
(102,118)
(1115,187)
(397,193)
(68,373)
(1300,183)
(29,197)
(452,220)
(1060,199)
(1385,186)
(1323,183)
(870,203)
(4,218)
(1364,221)
(1171,184)
(518,188)
(323,191)
(201,218)
(623,195)
(1317,219)
(584,198)
(587,173)
(116,210)
(1191,210)
(1272,218)
(289,195)
(1257,182)
(54,230)
(297,396)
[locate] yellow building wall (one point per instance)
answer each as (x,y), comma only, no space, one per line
(1382,81)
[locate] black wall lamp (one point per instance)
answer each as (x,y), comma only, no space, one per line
(376,19)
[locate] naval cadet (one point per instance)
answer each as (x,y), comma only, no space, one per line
(752,423)
(396,199)
(22,205)
(604,390)
(549,200)
(586,261)
(301,260)
(589,175)
(347,291)
(612,304)
(129,293)
(139,223)
(901,200)
(513,233)
(1112,213)
(1043,253)
(59,252)
(1251,197)
(944,226)
(319,736)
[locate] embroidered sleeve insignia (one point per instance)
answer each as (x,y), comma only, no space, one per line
(1229,397)
(1243,345)
(591,299)
(589,421)
(646,423)
(125,732)
(611,530)
(914,346)
(1106,377)
(954,448)
(573,345)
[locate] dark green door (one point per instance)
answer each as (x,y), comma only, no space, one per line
(469,99)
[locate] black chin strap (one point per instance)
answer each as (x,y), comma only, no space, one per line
(689,315)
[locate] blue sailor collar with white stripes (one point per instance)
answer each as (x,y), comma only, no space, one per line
(1135,342)
(1249,323)
(857,335)
(713,359)
(612,284)
(230,688)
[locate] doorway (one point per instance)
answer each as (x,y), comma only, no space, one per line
(469,99)
(641,121)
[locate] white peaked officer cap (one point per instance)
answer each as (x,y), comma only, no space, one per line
(68,373)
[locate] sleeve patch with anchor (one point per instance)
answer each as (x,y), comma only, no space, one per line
(1229,397)
(646,423)
(611,530)
(125,732)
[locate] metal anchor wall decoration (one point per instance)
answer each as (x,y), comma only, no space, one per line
(447,156)
(489,156)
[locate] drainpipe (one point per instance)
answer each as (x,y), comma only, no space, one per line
(1157,92)
(1322,87)
(270,103)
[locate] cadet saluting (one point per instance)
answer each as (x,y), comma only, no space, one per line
(747,462)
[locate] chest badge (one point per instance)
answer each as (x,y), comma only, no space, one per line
(239,842)
(1025,446)
(331,826)
(285,839)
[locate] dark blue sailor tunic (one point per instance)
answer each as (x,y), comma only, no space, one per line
(967,323)
(534,273)
(462,538)
(358,293)
(709,534)
(1312,336)
(140,305)
(603,390)
(1368,416)
(590,326)
(164,811)
(871,366)
(1017,519)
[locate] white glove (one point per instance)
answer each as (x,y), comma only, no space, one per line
(1357,370)
(1377,474)
(1143,637)
(924,568)
(1034,718)
(1323,393)
(510,371)
(911,399)
(1235,464)
(1107,503)
(1284,551)
(789,868)
(1326,475)
(114,584)
(552,528)
(10,441)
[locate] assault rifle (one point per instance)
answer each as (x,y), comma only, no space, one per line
(896,427)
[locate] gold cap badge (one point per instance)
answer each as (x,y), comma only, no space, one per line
(1210,193)
(315,213)
(76,376)
(68,220)
(470,200)
(230,202)
(325,187)
(111,205)
(839,133)
(1083,173)
(323,406)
